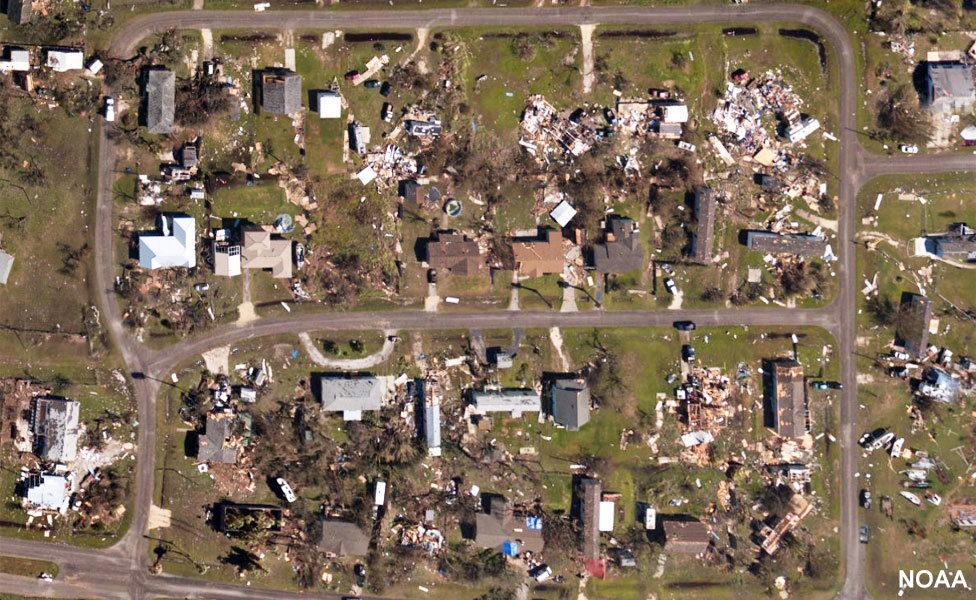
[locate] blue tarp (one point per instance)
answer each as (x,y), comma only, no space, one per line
(510,548)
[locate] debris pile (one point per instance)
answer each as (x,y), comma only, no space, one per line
(546,131)
(705,401)
(391,165)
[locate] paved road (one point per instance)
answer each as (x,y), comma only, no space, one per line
(121,571)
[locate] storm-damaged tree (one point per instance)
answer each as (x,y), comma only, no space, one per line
(200,99)
(901,117)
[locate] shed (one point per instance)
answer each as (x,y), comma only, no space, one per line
(329,105)
(563,213)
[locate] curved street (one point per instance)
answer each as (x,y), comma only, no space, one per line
(122,570)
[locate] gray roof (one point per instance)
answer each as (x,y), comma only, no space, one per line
(702,242)
(570,403)
(685,537)
(786,243)
(19,11)
(432,425)
(500,525)
(351,393)
(622,251)
(914,327)
(54,422)
(216,444)
(959,241)
(514,400)
(160,100)
(281,91)
(6,263)
(591,492)
(789,402)
(343,538)
(950,85)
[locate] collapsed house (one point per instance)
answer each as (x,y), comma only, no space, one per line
(546,131)
(54,423)
(938,385)
(234,518)
(799,509)
(507,531)
(705,403)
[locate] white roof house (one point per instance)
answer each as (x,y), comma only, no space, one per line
(801,129)
(65,60)
(175,247)
(366,175)
(606,515)
(47,491)
(330,105)
(674,113)
(19,60)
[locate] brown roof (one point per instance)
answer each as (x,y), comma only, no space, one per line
(343,538)
(590,491)
(686,537)
(453,252)
(502,525)
(703,240)
(789,399)
(539,256)
(262,252)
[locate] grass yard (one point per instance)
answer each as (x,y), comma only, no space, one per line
(27,567)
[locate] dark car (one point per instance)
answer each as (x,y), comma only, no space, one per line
(351,75)
(609,116)
(684,325)
(819,385)
(865,498)
(835,385)
(899,372)
(431,275)
(385,89)
(864,535)
(868,438)
(688,353)
(372,84)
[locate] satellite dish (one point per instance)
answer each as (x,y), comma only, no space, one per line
(284,223)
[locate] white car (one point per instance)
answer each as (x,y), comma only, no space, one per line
(669,283)
(881,442)
(900,355)
(109,109)
(911,498)
(909,148)
(286,490)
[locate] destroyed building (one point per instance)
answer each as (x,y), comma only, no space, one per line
(686,537)
(511,400)
(949,87)
(772,536)
(590,494)
(569,403)
(233,518)
(702,241)
(160,91)
(507,531)
(281,91)
(622,250)
(343,538)
(914,325)
(352,394)
(261,251)
(54,423)
(424,129)
(786,243)
(453,252)
(539,255)
(938,385)
(788,399)
(220,442)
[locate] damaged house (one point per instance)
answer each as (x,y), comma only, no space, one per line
(950,87)
(540,255)
(453,252)
(281,91)
(800,244)
(622,250)
(54,423)
(220,442)
(507,531)
(914,324)
(590,493)
(353,394)
(957,243)
(510,400)
(788,400)
(702,241)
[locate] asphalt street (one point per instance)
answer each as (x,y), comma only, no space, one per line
(122,570)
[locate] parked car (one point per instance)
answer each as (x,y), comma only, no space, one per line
(387,113)
(869,437)
(109,109)
(431,275)
(688,353)
(286,490)
(659,93)
(372,84)
(909,148)
(669,283)
(299,255)
(865,498)
(541,573)
(351,75)
(900,372)
(201,287)
(385,89)
(864,535)
(684,325)
(609,116)
(835,385)
(819,385)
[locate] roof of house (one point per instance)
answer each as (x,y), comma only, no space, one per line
(6,264)
(343,538)
(570,403)
(501,525)
(329,105)
(514,400)
(227,260)
(622,251)
(541,255)
(47,490)
(685,537)
(160,100)
(702,242)
(218,444)
(789,399)
(563,213)
(260,251)
(352,394)
(55,424)
(19,11)
(591,492)
(786,243)
(432,425)
(281,91)
(411,191)
(959,238)
(453,252)
(950,81)
(914,327)
(176,246)
(62,60)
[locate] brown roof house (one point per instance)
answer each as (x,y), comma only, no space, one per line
(686,537)
(539,255)
(702,242)
(343,538)
(260,251)
(788,401)
(453,252)
(505,531)
(622,250)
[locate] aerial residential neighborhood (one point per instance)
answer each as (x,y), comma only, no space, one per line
(487,300)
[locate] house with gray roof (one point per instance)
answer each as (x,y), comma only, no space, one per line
(343,538)
(19,11)
(569,403)
(503,530)
(352,394)
(621,251)
(160,100)
(281,91)
(913,326)
(55,425)
(800,244)
(46,491)
(788,400)
(957,243)
(950,87)
(220,443)
(703,240)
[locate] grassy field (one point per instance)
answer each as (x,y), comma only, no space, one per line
(27,567)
